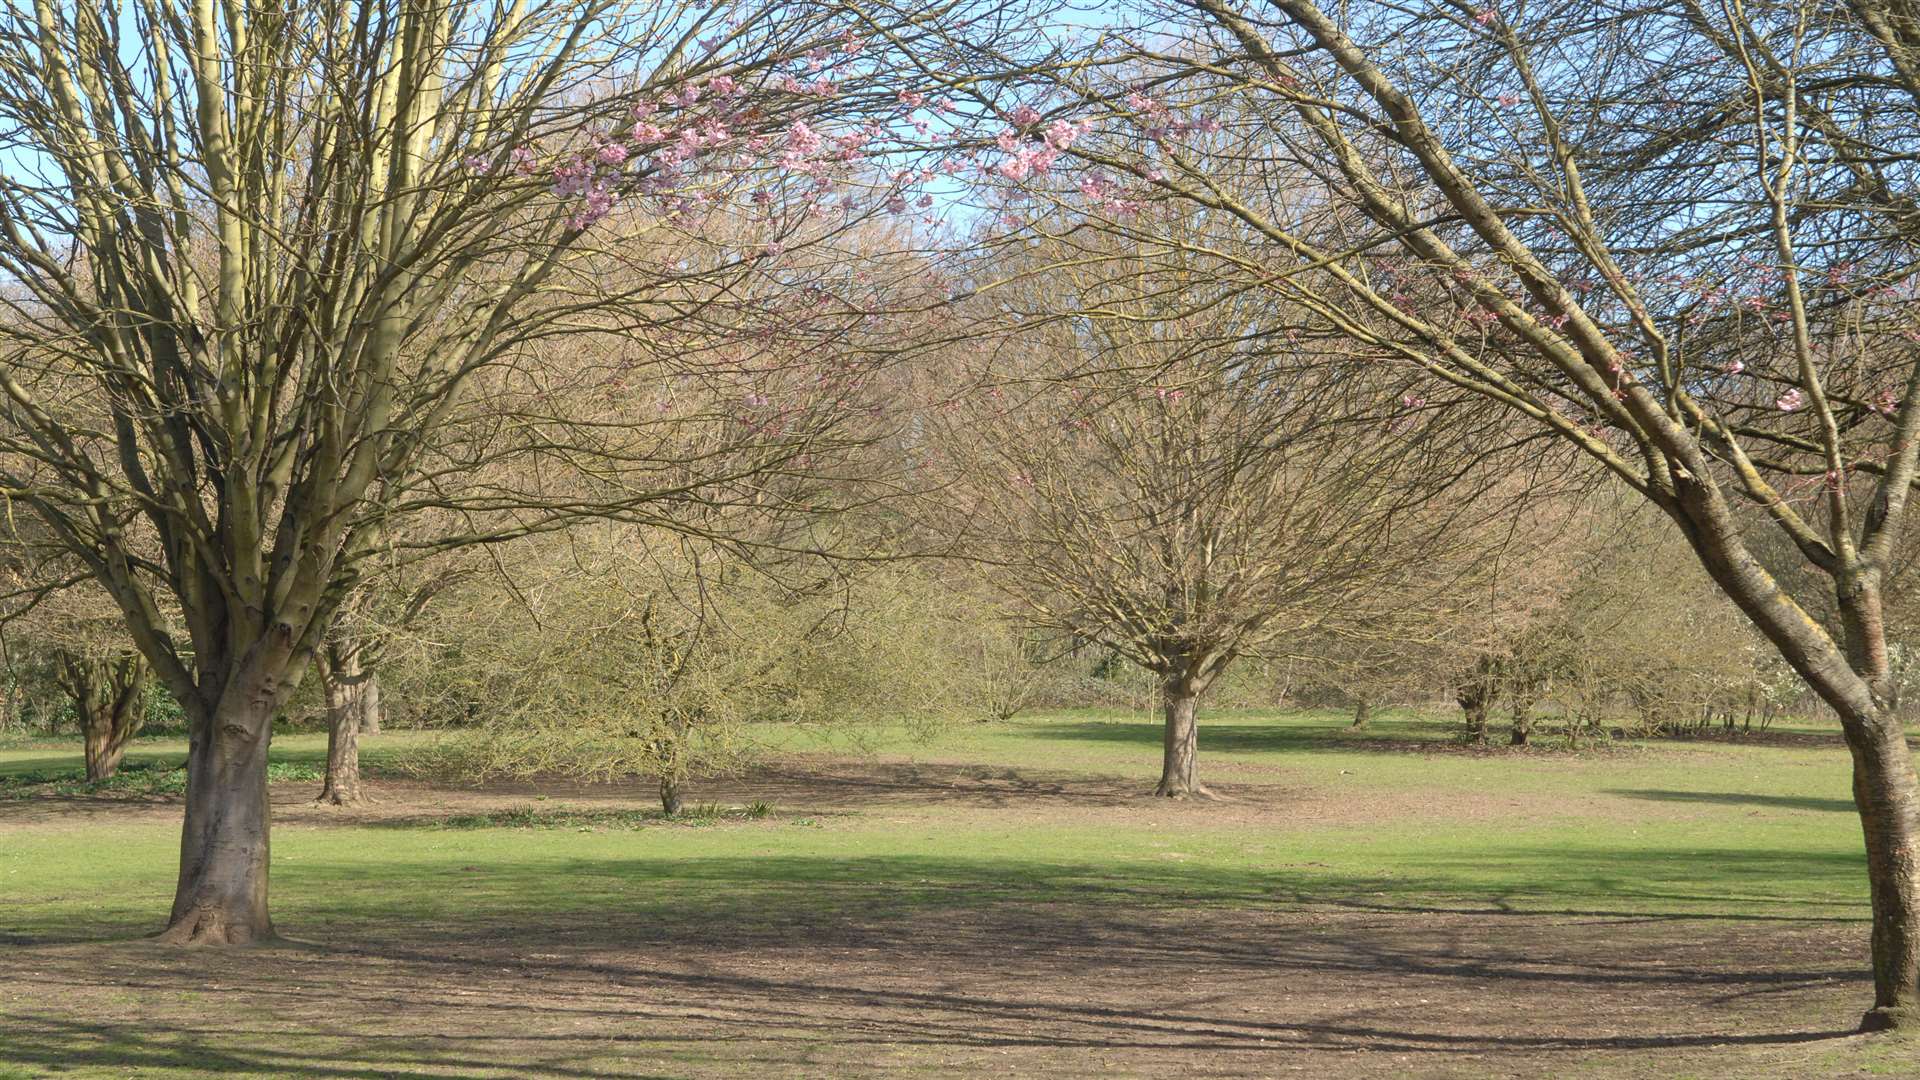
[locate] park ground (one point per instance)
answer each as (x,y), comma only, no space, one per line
(999,899)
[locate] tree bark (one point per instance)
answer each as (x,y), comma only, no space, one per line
(106,701)
(1522,729)
(221,895)
(1884,792)
(1362,712)
(371,712)
(105,743)
(669,795)
(344,715)
(1474,698)
(1180,743)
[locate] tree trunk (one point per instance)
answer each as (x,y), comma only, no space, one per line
(1180,742)
(106,702)
(1474,699)
(1362,713)
(1884,792)
(669,795)
(371,712)
(1522,729)
(344,713)
(105,743)
(221,896)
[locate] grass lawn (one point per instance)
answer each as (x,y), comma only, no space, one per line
(1000,898)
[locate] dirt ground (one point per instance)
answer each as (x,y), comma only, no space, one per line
(1040,990)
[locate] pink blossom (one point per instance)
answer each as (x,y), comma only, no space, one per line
(1008,140)
(723,86)
(476,163)
(1509,100)
(643,109)
(648,132)
(1484,16)
(572,178)
(1061,134)
(598,204)
(850,44)
(773,250)
(1886,402)
(523,162)
(1026,116)
(612,154)
(912,99)
(897,204)
(1734,367)
(1790,400)
(802,138)
(1141,103)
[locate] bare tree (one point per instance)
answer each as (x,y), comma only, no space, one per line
(271,278)
(1155,466)
(1675,238)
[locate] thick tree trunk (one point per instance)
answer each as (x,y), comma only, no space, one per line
(221,896)
(1884,791)
(1362,712)
(1180,743)
(105,742)
(106,700)
(342,784)
(669,795)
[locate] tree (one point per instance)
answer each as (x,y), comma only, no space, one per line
(621,652)
(1675,238)
(272,273)
(70,636)
(106,693)
(1156,467)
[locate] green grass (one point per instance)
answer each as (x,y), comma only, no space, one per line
(1395,819)
(1727,830)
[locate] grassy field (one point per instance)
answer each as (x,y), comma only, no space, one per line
(1000,898)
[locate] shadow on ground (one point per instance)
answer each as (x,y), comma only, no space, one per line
(1740,798)
(1054,988)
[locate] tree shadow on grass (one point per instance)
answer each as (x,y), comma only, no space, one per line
(1166,988)
(1738,798)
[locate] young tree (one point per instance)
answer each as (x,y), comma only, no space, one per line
(1676,238)
(272,272)
(621,651)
